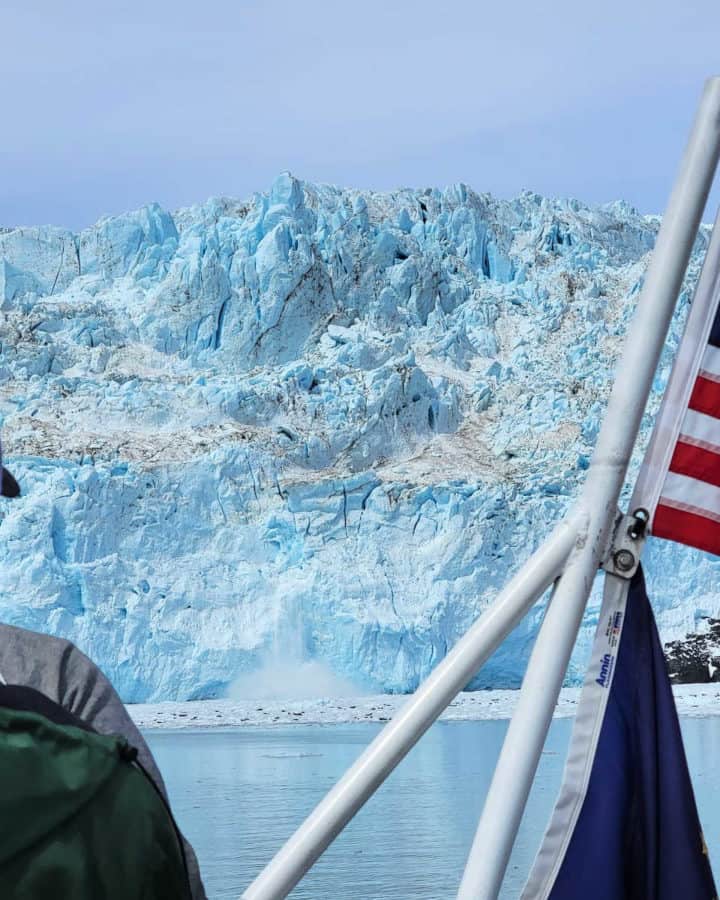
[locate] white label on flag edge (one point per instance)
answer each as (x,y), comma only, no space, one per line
(583,742)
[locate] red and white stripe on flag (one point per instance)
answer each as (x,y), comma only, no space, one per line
(679,482)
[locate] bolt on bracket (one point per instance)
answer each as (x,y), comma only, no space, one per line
(626,547)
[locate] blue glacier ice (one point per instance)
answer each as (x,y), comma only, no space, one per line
(320,425)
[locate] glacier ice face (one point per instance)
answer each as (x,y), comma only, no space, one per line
(320,425)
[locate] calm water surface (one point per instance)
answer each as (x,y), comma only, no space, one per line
(239,794)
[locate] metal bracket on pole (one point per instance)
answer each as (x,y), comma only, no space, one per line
(627,544)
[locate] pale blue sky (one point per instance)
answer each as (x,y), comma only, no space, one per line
(108,106)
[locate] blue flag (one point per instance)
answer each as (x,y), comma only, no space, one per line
(625,826)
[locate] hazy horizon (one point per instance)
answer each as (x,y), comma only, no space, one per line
(107,110)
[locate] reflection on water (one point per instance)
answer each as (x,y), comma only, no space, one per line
(239,794)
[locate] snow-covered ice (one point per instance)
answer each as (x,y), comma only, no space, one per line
(320,425)
(692,700)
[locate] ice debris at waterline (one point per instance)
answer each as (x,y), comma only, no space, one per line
(323,423)
(692,701)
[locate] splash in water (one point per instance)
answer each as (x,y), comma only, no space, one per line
(294,680)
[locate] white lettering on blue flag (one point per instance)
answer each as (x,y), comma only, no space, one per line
(583,743)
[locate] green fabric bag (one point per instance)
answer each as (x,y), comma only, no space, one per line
(79,820)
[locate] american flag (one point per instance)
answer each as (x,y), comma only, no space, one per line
(679,483)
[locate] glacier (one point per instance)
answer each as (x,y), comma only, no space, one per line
(319,426)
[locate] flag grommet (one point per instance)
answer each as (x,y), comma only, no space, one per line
(641,518)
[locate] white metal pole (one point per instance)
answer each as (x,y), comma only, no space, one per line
(410,722)
(526,735)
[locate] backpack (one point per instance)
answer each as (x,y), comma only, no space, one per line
(79,817)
